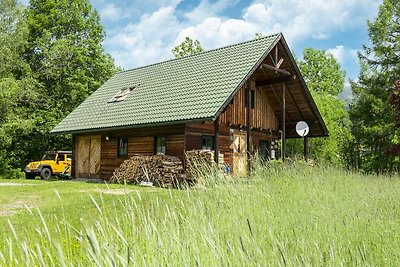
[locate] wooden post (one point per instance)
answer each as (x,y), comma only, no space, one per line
(305,148)
(248,123)
(216,137)
(283,122)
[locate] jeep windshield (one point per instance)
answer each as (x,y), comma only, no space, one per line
(49,156)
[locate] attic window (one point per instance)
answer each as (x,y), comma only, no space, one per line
(121,95)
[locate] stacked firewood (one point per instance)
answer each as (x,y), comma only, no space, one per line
(161,170)
(201,161)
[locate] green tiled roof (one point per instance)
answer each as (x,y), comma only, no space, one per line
(188,88)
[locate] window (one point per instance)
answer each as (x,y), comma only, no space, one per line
(160,145)
(252,100)
(207,142)
(61,157)
(122,147)
(121,95)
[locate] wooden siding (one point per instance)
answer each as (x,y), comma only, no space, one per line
(262,116)
(140,141)
(73,157)
(184,137)
(195,131)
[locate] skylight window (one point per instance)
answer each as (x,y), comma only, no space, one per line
(121,95)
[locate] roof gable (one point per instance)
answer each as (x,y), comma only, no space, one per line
(188,88)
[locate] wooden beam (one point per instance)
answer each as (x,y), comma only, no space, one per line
(295,103)
(285,72)
(216,138)
(248,123)
(280,101)
(265,73)
(275,81)
(293,123)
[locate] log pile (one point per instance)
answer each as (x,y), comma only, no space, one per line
(201,161)
(161,170)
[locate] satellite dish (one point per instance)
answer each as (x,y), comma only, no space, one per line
(302,128)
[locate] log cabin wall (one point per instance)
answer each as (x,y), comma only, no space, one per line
(262,115)
(264,124)
(140,141)
(195,131)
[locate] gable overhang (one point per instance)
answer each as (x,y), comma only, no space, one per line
(300,105)
(247,77)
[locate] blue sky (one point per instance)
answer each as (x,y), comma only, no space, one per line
(144,32)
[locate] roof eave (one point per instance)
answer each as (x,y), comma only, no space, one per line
(308,93)
(127,127)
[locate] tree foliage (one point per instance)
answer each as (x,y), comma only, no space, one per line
(187,48)
(51,59)
(322,72)
(325,80)
(372,115)
(394,100)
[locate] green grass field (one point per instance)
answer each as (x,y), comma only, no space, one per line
(297,215)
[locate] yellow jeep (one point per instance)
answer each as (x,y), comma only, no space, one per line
(53,163)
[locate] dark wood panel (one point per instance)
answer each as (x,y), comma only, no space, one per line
(261,116)
(195,131)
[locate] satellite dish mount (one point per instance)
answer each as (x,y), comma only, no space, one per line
(302,129)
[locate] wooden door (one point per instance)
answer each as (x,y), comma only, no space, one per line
(94,161)
(88,156)
(239,146)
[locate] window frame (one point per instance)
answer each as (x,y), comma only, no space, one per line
(119,154)
(58,157)
(122,94)
(156,138)
(203,137)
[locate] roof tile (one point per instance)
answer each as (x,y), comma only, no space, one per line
(187,88)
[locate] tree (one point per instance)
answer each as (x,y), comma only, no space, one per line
(322,72)
(394,100)
(187,48)
(325,80)
(60,61)
(372,115)
(65,51)
(16,82)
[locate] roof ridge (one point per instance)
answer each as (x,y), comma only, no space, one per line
(202,53)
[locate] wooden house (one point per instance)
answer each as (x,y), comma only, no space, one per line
(236,100)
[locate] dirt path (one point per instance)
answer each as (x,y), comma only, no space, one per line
(15,184)
(12,208)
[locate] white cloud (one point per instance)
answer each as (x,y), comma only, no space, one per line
(343,54)
(152,37)
(309,18)
(110,12)
(145,42)
(206,10)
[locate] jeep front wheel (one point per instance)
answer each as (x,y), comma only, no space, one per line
(45,174)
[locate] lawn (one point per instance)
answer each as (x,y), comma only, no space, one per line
(297,215)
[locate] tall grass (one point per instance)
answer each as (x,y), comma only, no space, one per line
(281,215)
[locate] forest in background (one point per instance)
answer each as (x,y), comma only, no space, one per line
(51,59)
